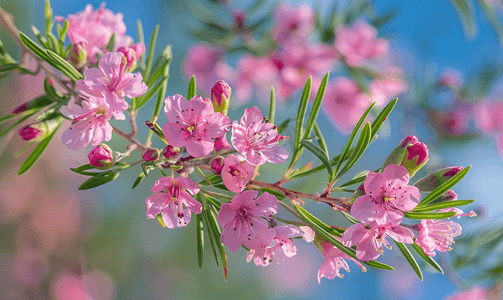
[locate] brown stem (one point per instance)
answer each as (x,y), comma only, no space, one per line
(336,203)
(127,137)
(134,127)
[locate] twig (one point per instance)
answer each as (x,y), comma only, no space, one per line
(126,136)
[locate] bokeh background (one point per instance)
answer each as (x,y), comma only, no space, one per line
(57,241)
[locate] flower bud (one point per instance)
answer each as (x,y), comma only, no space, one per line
(21,108)
(239,20)
(151,155)
(221,143)
(434,180)
(415,158)
(132,54)
(171,152)
(101,157)
(220,96)
(29,132)
(217,165)
(78,55)
(395,157)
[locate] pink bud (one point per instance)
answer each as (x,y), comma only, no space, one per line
(221,143)
(59,19)
(21,108)
(217,165)
(239,20)
(29,132)
(450,195)
(101,157)
(171,152)
(453,171)
(420,150)
(151,155)
(220,95)
(410,140)
(78,55)
(132,54)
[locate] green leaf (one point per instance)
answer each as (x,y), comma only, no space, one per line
(200,240)
(192,88)
(151,51)
(322,155)
(214,179)
(352,137)
(7,117)
(279,195)
(149,94)
(444,187)
(50,113)
(100,179)
(493,16)
(327,228)
(304,100)
(111,43)
(442,205)
(33,157)
(62,65)
(349,217)
(381,117)
(430,216)
(283,125)
(466,14)
(359,178)
(138,180)
(3,133)
(361,146)
(139,29)
(216,234)
(319,137)
(209,230)
(39,36)
(33,47)
(51,91)
(213,201)
(333,162)
(82,170)
(272,106)
(24,149)
(316,107)
(426,258)
(332,240)
(410,259)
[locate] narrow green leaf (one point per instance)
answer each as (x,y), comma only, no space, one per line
(283,125)
(100,179)
(7,117)
(444,187)
(62,65)
(82,170)
(24,149)
(327,228)
(319,137)
(213,201)
(33,157)
(272,106)
(410,259)
(216,233)
(322,155)
(200,240)
(381,117)
(349,217)
(466,14)
(3,133)
(352,137)
(33,47)
(151,51)
(361,146)
(191,92)
(316,107)
(209,230)
(333,162)
(149,94)
(301,113)
(359,178)
(214,179)
(332,240)
(426,258)
(39,36)
(428,215)
(442,205)
(111,43)
(50,113)
(138,180)
(279,195)
(141,39)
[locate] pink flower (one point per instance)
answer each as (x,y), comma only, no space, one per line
(132,54)
(372,236)
(96,28)
(451,78)
(437,235)
(292,24)
(296,63)
(359,43)
(387,195)
(206,63)
(112,81)
(385,90)
(254,71)
(101,157)
(242,220)
(284,246)
(307,233)
(221,144)
(236,173)
(29,132)
(476,292)
(90,122)
(344,103)
(171,195)
(335,259)
(151,155)
(193,124)
(489,116)
(257,140)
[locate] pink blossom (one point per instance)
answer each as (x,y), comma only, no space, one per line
(173,201)
(96,28)
(385,90)
(292,24)
(476,292)
(208,66)
(335,259)
(112,81)
(344,103)
(284,246)
(387,195)
(151,155)
(489,116)
(221,144)
(437,235)
(451,78)
(370,238)
(193,124)
(296,63)
(257,140)
(132,54)
(216,165)
(242,220)
(254,71)
(359,43)
(101,157)
(307,233)
(90,123)
(236,173)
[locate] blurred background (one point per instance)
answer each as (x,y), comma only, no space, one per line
(60,243)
